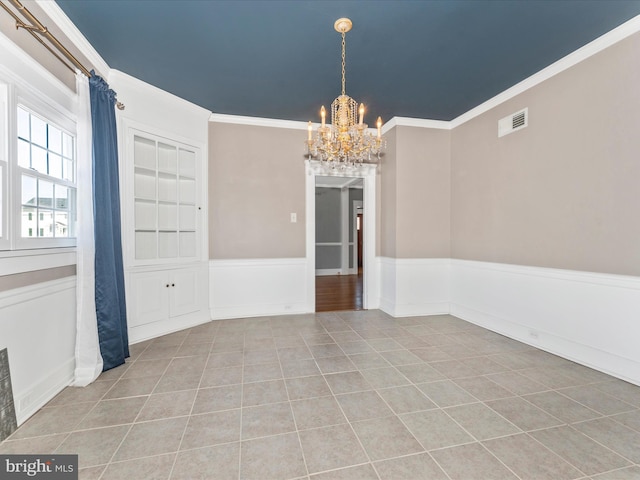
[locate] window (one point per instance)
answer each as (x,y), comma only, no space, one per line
(46,160)
(37,174)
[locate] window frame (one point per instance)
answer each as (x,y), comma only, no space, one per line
(5,230)
(13,97)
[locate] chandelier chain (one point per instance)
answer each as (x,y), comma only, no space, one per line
(343,63)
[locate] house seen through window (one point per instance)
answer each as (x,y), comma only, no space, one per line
(46,157)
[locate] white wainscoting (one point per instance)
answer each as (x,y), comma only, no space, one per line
(590,318)
(414,286)
(38,327)
(258,287)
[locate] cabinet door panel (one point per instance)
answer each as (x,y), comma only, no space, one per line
(184,296)
(150,298)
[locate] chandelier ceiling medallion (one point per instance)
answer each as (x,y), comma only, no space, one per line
(346,143)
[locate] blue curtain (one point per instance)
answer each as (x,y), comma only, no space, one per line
(110,295)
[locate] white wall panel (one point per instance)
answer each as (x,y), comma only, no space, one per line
(586,317)
(414,286)
(37,326)
(257,287)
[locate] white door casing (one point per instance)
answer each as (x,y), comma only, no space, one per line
(313,169)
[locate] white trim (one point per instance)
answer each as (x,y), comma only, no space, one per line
(258,121)
(414,286)
(325,272)
(257,287)
(27,293)
(608,39)
(355,206)
(140,333)
(415,122)
(370,281)
(19,261)
(41,356)
(43,390)
(146,90)
(57,16)
(344,230)
(586,317)
(592,278)
(255,262)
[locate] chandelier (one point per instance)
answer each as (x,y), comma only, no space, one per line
(346,143)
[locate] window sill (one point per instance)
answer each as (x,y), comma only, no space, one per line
(19,261)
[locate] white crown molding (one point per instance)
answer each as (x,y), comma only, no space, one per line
(416,122)
(606,40)
(57,16)
(116,76)
(257,121)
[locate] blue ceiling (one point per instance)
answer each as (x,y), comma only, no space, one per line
(281,59)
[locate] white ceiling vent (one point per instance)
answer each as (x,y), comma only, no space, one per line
(513,122)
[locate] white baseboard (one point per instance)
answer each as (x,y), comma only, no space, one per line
(328,271)
(586,317)
(257,287)
(414,286)
(140,333)
(42,390)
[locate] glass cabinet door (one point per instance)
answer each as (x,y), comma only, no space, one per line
(165,197)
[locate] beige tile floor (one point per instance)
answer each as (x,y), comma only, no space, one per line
(347,395)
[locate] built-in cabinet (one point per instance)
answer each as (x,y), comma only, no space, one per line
(165,267)
(165,294)
(165,194)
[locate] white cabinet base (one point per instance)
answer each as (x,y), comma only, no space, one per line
(164,300)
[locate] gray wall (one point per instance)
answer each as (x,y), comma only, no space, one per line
(415,194)
(328,214)
(256,180)
(561,193)
(564,191)
(328,227)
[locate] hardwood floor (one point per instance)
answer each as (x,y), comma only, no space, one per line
(338,292)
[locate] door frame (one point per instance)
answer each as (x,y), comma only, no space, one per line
(355,205)
(367,172)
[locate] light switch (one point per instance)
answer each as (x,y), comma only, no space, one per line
(294,218)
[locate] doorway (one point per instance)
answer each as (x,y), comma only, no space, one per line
(339,237)
(370,272)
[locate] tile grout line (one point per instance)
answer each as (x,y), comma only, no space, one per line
(295,422)
(184,431)
(117,449)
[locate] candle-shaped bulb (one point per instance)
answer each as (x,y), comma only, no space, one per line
(323,114)
(361,112)
(309,128)
(379,125)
